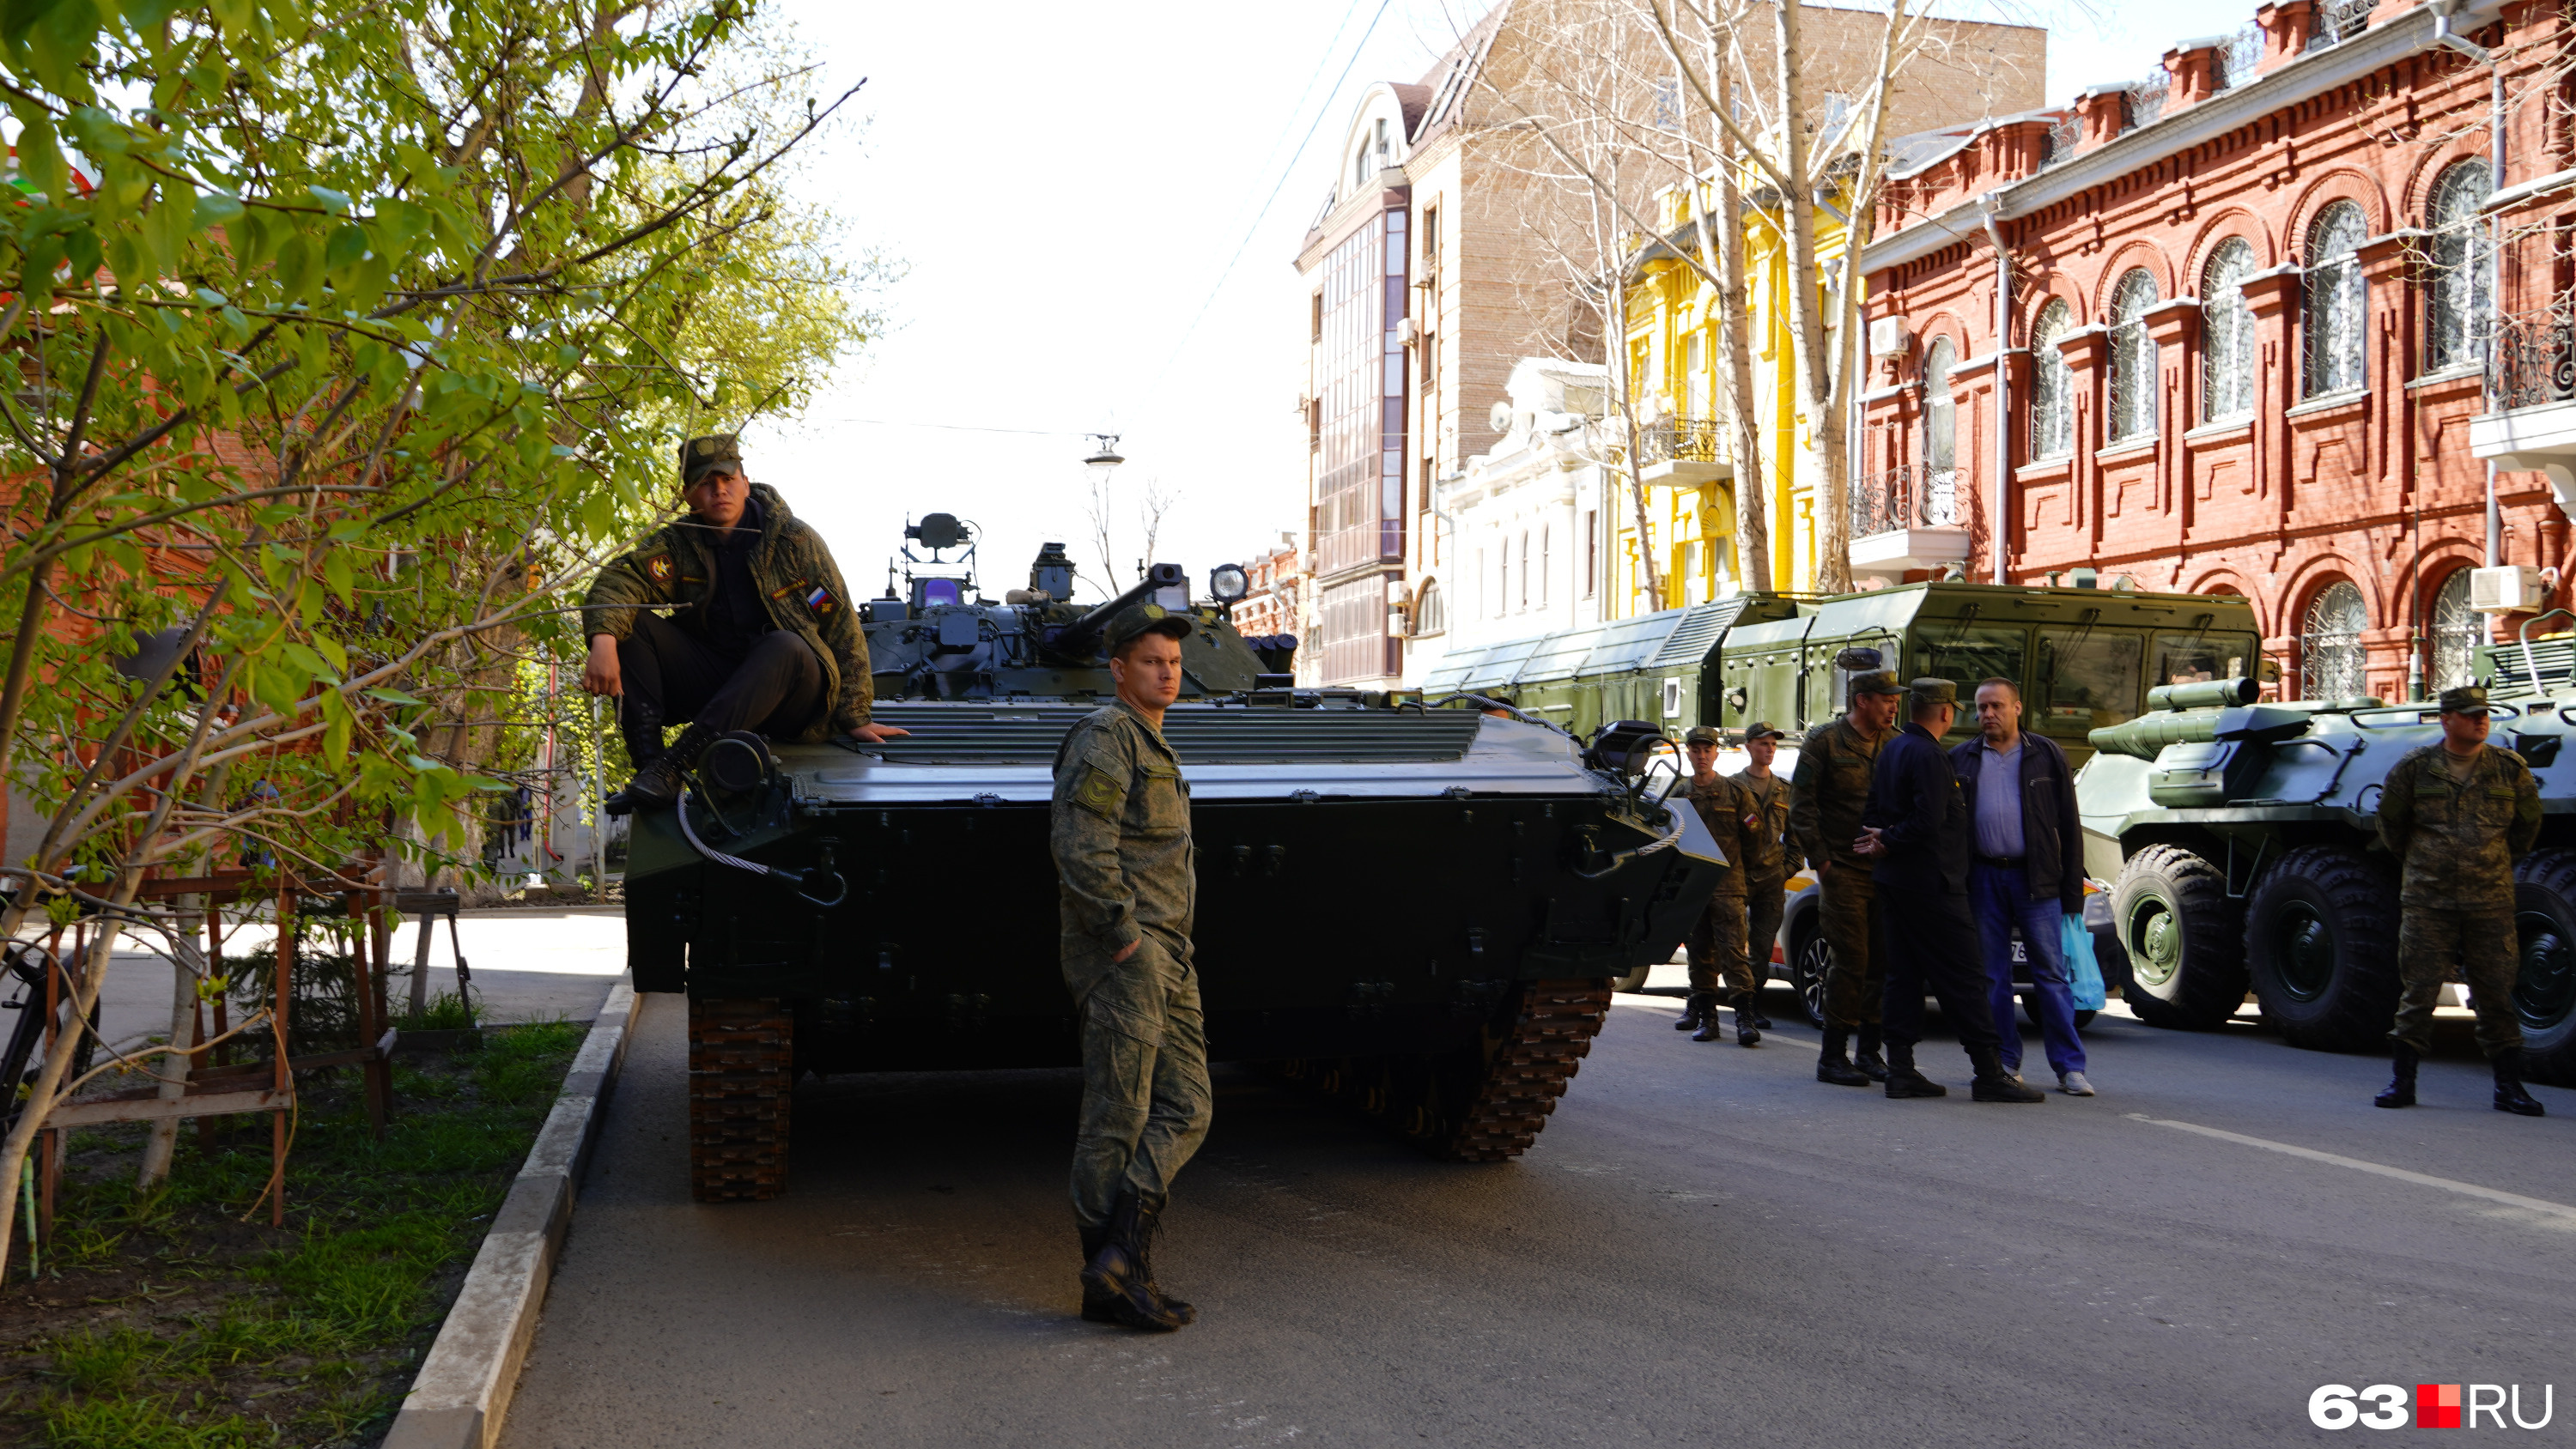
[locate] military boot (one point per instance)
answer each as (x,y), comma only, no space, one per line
(1867,1060)
(1149,1233)
(1759,1019)
(2510,1097)
(1748,1032)
(1994,1084)
(1832,1066)
(1695,1009)
(642,729)
(2400,1091)
(1115,1285)
(1903,1080)
(658,784)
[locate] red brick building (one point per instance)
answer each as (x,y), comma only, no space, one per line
(2245,307)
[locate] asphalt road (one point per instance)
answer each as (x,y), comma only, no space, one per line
(1705,1247)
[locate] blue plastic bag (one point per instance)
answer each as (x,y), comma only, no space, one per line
(2083,973)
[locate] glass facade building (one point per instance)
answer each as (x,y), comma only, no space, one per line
(1360,461)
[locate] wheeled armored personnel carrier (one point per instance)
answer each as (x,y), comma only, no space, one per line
(1416,909)
(2241,838)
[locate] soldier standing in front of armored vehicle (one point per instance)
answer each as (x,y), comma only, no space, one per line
(1769,856)
(1717,942)
(2456,815)
(1826,796)
(1127,882)
(763,637)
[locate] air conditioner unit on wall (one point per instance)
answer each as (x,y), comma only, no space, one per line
(1888,338)
(2506,589)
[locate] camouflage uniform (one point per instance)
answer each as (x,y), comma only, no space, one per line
(1127,872)
(2457,840)
(1768,859)
(1717,941)
(792,570)
(1825,801)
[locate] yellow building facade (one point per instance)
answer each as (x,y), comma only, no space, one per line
(1674,359)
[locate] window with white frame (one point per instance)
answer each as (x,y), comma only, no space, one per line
(1940,410)
(2461,299)
(2133,358)
(2226,333)
(2052,387)
(2458,630)
(1430,609)
(2330,652)
(2335,300)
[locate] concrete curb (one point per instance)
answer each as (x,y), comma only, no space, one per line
(462,1393)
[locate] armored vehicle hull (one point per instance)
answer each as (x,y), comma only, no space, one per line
(2241,839)
(1419,910)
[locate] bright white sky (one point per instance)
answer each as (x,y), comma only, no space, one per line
(1066,185)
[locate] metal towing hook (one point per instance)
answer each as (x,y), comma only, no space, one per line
(739,764)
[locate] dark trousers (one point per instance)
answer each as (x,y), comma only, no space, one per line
(2000,896)
(1931,942)
(672,676)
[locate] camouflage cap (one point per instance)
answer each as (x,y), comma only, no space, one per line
(715,450)
(2467,699)
(1762,730)
(1703,735)
(1928,693)
(1137,620)
(1877,681)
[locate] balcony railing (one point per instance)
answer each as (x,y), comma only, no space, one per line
(2064,134)
(2238,57)
(2147,98)
(2531,360)
(1905,497)
(1682,440)
(2340,20)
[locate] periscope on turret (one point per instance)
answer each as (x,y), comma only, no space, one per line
(889,905)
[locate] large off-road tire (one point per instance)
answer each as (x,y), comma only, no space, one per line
(741,1078)
(1811,960)
(2321,948)
(2544,994)
(2183,937)
(1633,981)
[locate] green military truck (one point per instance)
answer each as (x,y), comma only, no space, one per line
(2086,659)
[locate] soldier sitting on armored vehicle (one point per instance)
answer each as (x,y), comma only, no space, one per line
(2457,814)
(762,636)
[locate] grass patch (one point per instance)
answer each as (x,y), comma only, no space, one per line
(171,1321)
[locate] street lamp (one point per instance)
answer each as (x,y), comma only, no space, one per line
(1106,455)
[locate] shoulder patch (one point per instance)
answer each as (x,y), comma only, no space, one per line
(1098,792)
(658,568)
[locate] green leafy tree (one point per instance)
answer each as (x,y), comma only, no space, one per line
(347,338)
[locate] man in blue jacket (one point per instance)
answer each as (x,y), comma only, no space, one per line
(1915,828)
(2028,871)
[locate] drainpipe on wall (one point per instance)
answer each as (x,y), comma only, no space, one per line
(2477,54)
(1992,205)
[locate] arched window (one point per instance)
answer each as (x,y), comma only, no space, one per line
(2330,654)
(1543,551)
(2133,359)
(1524,595)
(2052,387)
(1940,411)
(2334,320)
(2226,333)
(2457,633)
(1430,609)
(2462,295)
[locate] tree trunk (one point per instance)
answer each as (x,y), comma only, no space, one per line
(1726,239)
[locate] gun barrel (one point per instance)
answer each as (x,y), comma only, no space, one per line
(2207,694)
(2146,736)
(1076,638)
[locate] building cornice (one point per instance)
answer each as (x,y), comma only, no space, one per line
(2310,73)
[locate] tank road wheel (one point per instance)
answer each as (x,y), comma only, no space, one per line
(1524,1068)
(1811,960)
(2183,939)
(2544,993)
(2321,945)
(740,1081)
(1633,981)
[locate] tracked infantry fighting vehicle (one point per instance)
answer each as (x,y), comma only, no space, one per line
(1416,909)
(2242,841)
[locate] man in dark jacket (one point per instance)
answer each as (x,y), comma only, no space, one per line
(1915,830)
(761,634)
(2028,871)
